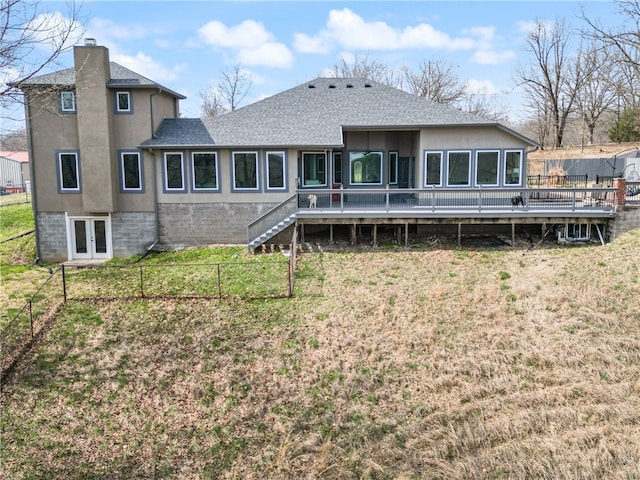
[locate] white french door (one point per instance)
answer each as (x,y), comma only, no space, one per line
(89,238)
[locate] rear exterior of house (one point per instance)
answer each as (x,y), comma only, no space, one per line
(329,133)
(115,170)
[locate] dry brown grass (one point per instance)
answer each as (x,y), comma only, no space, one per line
(438,363)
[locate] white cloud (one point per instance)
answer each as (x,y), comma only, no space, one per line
(349,30)
(484,87)
(269,54)
(251,42)
(148,67)
(247,34)
(105,30)
(49,29)
(492,57)
(305,44)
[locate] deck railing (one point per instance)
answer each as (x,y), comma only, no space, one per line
(272,217)
(456,199)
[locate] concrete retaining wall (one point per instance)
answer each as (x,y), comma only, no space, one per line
(52,237)
(132,232)
(193,224)
(627,219)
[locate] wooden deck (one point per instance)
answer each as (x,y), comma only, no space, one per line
(403,207)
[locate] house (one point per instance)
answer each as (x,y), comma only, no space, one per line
(14,171)
(116,170)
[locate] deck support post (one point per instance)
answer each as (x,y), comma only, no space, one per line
(406,235)
(331,233)
(459,235)
(353,234)
(301,233)
(513,234)
(375,234)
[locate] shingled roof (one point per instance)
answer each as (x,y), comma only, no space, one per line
(120,77)
(314,114)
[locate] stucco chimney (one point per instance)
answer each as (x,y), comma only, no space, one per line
(95,106)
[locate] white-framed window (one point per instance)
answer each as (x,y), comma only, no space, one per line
(393,168)
(68,172)
(68,101)
(276,171)
(513,167)
(131,172)
(313,169)
(204,166)
(123,101)
(245,171)
(173,171)
(458,168)
(487,166)
(432,169)
(366,168)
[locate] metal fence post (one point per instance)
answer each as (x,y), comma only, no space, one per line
(31,316)
(64,284)
(219,284)
(141,284)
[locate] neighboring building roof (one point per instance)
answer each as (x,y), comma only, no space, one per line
(120,77)
(315,114)
(22,157)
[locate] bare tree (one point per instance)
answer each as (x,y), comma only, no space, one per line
(486,105)
(228,93)
(32,39)
(553,78)
(365,67)
(435,80)
(599,91)
(626,40)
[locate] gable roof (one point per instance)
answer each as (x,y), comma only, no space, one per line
(120,77)
(315,113)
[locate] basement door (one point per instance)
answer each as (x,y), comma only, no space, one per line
(90,238)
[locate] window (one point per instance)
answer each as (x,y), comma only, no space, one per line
(204,166)
(337,168)
(68,172)
(67,102)
(458,168)
(130,171)
(513,167)
(366,168)
(173,172)
(393,168)
(433,168)
(245,170)
(275,171)
(313,171)
(487,167)
(123,102)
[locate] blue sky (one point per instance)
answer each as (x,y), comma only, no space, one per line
(187,45)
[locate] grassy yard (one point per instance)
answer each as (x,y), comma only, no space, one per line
(19,277)
(429,363)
